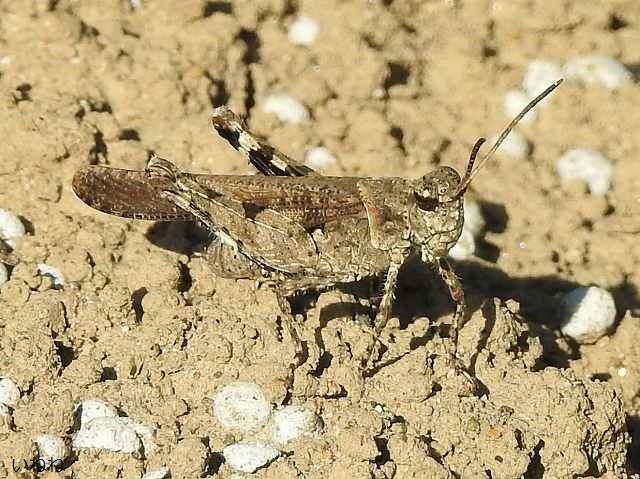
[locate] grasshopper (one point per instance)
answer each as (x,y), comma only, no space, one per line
(295,229)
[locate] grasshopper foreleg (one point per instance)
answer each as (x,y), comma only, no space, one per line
(457,294)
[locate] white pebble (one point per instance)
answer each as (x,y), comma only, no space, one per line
(292,422)
(588,165)
(9,393)
(539,76)
(4,274)
(588,314)
(514,103)
(135,4)
(465,248)
(473,226)
(515,146)
(145,433)
(249,457)
(90,409)
(319,158)
(598,70)
(304,30)
(162,473)
(108,433)
(241,405)
(52,272)
(10,227)
(473,219)
(51,449)
(286,108)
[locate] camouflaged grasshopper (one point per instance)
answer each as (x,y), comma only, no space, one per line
(296,229)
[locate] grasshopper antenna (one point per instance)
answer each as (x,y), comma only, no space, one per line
(472,157)
(471,172)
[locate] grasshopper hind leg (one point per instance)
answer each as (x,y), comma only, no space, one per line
(268,160)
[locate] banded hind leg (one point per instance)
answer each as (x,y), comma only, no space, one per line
(267,159)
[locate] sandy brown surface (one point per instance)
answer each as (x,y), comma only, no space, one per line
(394,88)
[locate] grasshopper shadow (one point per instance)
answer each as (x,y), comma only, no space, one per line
(421,293)
(182,237)
(633,452)
(539,296)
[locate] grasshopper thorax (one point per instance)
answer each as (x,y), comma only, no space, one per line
(436,215)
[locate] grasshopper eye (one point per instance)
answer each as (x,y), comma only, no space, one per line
(443,188)
(425,203)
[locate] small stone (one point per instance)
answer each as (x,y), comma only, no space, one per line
(249,457)
(465,248)
(540,75)
(319,158)
(473,219)
(588,314)
(108,433)
(303,31)
(90,409)
(4,274)
(514,103)
(291,422)
(286,108)
(51,449)
(9,393)
(473,226)
(52,272)
(145,433)
(598,70)
(241,405)
(162,473)
(588,165)
(515,146)
(11,227)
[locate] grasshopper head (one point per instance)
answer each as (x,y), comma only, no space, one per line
(436,215)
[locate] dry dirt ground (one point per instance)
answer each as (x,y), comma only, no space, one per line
(394,88)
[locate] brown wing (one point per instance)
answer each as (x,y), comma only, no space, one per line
(126,193)
(309,201)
